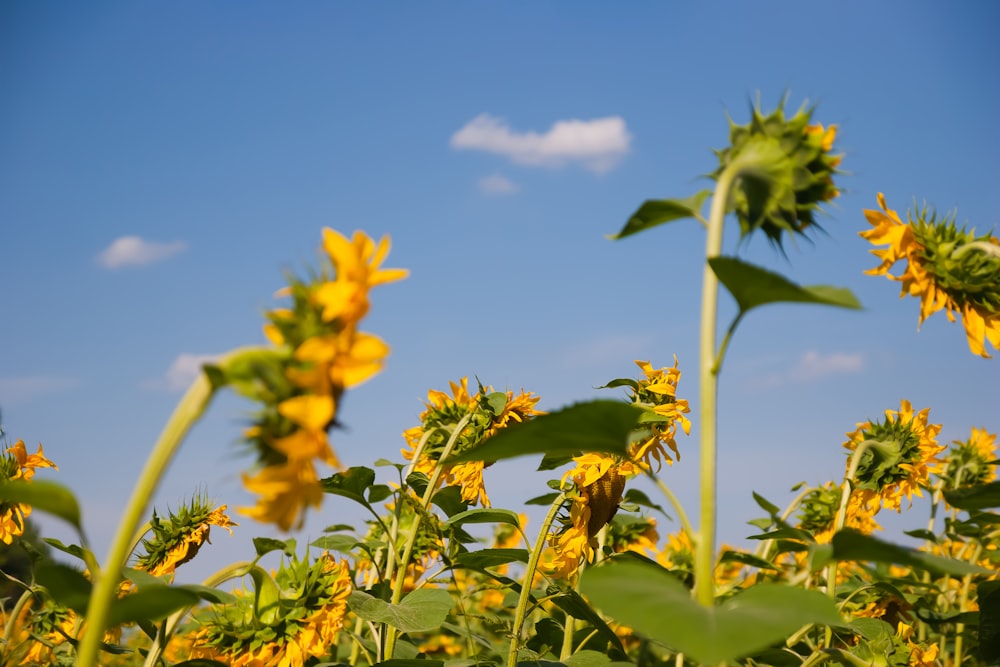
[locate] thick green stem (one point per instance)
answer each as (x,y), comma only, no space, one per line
(529,576)
(425,503)
(704,586)
(187,412)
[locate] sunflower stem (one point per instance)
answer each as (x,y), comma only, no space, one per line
(704,586)
(185,415)
(411,538)
(529,576)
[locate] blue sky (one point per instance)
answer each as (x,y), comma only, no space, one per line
(162,165)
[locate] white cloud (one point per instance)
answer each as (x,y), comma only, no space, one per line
(497,184)
(597,144)
(813,365)
(134,251)
(19,389)
(182,372)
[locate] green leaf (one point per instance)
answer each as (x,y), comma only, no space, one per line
(640,498)
(67,586)
(588,658)
(45,496)
(491,557)
(544,499)
(485,515)
(265,545)
(988,594)
(151,603)
(449,499)
(854,546)
(421,610)
(200,662)
(729,556)
(573,604)
(657,605)
(342,543)
(267,596)
(754,286)
(982,496)
(71,549)
(591,426)
(353,483)
(655,212)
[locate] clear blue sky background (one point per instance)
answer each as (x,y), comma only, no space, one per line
(226,136)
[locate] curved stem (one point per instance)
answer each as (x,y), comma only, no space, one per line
(187,412)
(529,576)
(675,503)
(704,586)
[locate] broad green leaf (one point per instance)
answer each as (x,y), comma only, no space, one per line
(71,549)
(266,596)
(588,658)
(421,610)
(592,426)
(67,586)
(657,605)
(754,286)
(655,212)
(982,496)
(151,603)
(485,515)
(854,546)
(729,556)
(639,497)
(353,483)
(265,545)
(491,557)
(573,604)
(342,543)
(44,496)
(449,499)
(988,594)
(544,499)
(766,504)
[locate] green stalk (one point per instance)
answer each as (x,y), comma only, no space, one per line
(187,412)
(425,503)
(704,586)
(529,576)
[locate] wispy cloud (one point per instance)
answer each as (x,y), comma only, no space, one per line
(134,251)
(813,365)
(597,144)
(182,372)
(497,184)
(20,389)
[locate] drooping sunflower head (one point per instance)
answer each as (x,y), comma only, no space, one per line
(970,462)
(656,394)
(899,454)
(632,533)
(177,538)
(947,267)
(297,618)
(786,169)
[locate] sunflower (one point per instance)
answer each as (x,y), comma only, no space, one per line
(968,462)
(657,394)
(900,452)
(947,267)
(818,513)
(177,539)
(16,463)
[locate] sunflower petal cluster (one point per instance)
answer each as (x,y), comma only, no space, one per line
(786,167)
(488,412)
(177,538)
(656,393)
(900,452)
(947,267)
(17,463)
(302,624)
(324,353)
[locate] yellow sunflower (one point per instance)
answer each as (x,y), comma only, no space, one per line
(900,453)
(948,268)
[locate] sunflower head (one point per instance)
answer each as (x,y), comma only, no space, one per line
(970,462)
(946,266)
(177,538)
(818,513)
(899,453)
(786,168)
